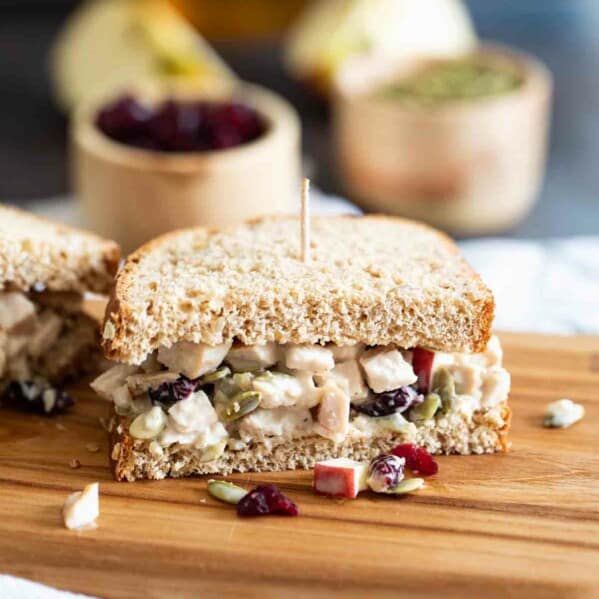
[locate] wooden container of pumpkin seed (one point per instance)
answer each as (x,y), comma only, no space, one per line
(458,143)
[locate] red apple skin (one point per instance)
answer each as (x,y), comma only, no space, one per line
(341,481)
(422,363)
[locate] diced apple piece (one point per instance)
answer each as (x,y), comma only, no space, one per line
(333,412)
(81,509)
(108,382)
(194,413)
(422,364)
(14,308)
(386,369)
(344,353)
(340,477)
(312,358)
(496,386)
(193,359)
(252,357)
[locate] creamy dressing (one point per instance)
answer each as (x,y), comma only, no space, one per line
(288,392)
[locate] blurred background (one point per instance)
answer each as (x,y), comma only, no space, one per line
(564,34)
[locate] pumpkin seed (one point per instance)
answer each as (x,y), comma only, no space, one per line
(217,375)
(407,485)
(444,387)
(243,380)
(241,404)
(427,409)
(227,492)
(148,425)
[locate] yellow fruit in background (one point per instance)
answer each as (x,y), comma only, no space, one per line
(108,44)
(330,31)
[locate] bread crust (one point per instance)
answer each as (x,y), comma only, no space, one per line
(37,251)
(132,460)
(456,320)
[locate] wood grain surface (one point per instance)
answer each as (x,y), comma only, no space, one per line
(524,524)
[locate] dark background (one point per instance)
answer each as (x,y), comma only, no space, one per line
(563,33)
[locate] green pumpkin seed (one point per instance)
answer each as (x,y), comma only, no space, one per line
(427,409)
(444,387)
(243,380)
(217,375)
(407,485)
(241,405)
(227,492)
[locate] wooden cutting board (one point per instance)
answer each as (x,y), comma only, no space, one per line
(522,524)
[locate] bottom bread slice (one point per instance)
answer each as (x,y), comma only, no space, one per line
(485,432)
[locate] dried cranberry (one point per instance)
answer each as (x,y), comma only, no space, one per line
(385,473)
(180,126)
(385,404)
(38,397)
(124,119)
(264,500)
(417,459)
(170,393)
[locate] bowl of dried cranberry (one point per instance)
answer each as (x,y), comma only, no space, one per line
(153,159)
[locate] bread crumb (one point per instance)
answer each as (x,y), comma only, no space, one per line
(74,463)
(93,447)
(60,426)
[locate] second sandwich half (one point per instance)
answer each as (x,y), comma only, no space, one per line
(235,355)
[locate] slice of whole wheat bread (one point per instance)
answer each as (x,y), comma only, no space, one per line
(373,279)
(34,251)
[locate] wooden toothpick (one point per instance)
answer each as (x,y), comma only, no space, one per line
(306,220)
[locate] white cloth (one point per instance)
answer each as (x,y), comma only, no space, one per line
(19,588)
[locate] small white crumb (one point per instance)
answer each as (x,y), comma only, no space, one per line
(93,447)
(81,509)
(202,501)
(60,426)
(75,463)
(562,413)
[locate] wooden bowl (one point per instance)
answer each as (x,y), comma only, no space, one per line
(132,195)
(468,167)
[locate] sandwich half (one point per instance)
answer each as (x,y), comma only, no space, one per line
(235,355)
(46,337)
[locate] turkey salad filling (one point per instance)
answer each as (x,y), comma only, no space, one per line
(230,396)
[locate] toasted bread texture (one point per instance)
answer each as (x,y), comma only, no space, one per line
(132,459)
(371,279)
(36,251)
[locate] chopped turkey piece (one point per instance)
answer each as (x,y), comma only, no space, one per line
(193,359)
(140,383)
(49,326)
(252,357)
(194,413)
(344,353)
(496,386)
(349,376)
(311,358)
(333,413)
(108,382)
(386,369)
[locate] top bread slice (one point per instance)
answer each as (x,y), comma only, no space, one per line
(373,279)
(37,252)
